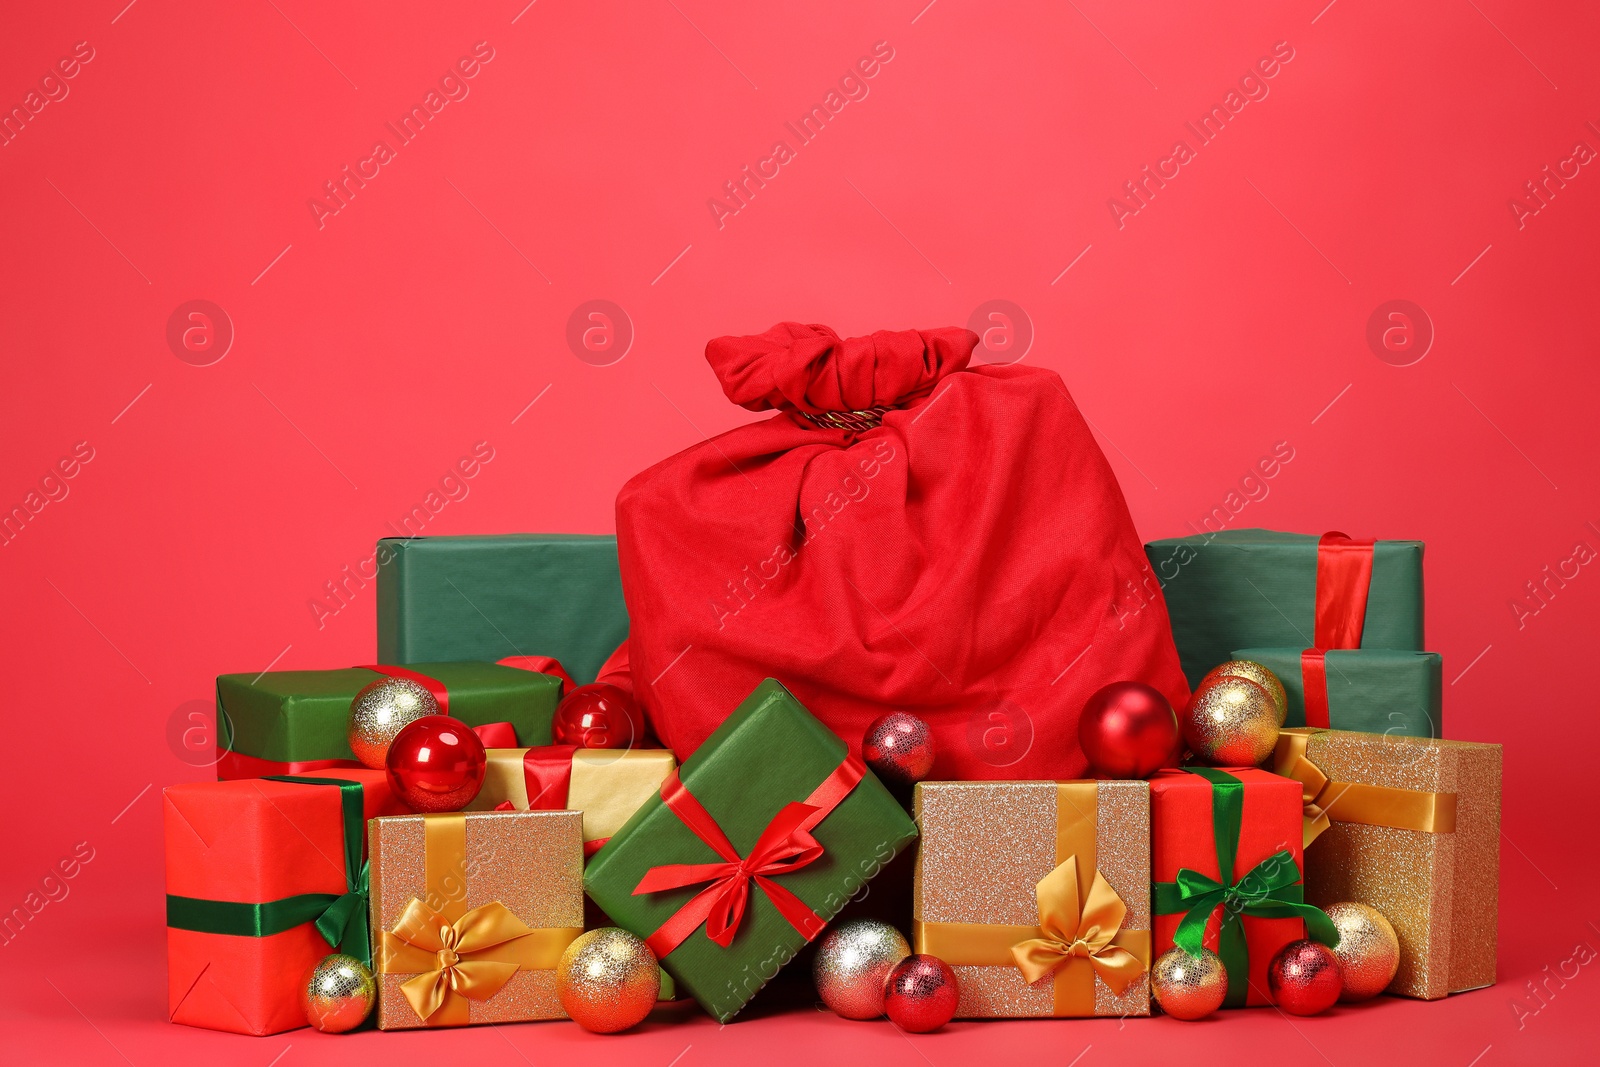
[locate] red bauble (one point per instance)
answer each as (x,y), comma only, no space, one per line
(921,993)
(598,715)
(899,747)
(1128,730)
(436,764)
(1304,978)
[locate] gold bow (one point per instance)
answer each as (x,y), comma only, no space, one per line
(1327,801)
(1071,933)
(469,959)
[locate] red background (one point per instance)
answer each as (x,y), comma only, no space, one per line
(371,353)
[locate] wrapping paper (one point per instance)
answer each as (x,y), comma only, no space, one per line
(1374,690)
(1258,589)
(606,785)
(767,755)
(1439,887)
(458,864)
(285,721)
(249,843)
(983,850)
(488,597)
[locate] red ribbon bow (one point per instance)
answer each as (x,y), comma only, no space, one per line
(785,846)
(1344,574)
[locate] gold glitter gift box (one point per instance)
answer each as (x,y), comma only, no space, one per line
(1411,826)
(1037,894)
(470,913)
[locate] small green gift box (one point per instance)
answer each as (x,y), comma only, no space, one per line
(757,841)
(1370,690)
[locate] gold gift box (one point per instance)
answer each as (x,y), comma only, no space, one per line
(989,854)
(457,896)
(607,785)
(1411,826)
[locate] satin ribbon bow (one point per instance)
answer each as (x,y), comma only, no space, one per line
(1073,933)
(1267,891)
(1318,792)
(343,923)
(463,953)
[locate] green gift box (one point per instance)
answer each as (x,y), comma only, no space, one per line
(488,597)
(1258,589)
(1370,690)
(288,722)
(724,874)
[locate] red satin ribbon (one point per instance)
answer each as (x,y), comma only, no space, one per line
(1344,575)
(541,665)
(432,685)
(235,765)
(785,846)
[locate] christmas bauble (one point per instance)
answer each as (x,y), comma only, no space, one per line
(608,980)
(1304,978)
(853,963)
(436,764)
(1368,950)
(338,994)
(1231,723)
(921,993)
(380,711)
(898,747)
(1128,730)
(598,715)
(1189,987)
(1262,676)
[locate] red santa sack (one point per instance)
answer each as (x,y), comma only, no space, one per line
(908,533)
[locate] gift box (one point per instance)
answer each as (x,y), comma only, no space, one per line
(1377,690)
(1263,589)
(470,914)
(487,597)
(280,722)
(1410,826)
(607,785)
(748,849)
(1010,875)
(264,878)
(1226,858)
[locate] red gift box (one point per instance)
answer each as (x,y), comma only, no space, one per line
(1184,820)
(258,852)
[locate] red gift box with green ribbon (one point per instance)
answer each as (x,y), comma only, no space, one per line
(264,878)
(1227,864)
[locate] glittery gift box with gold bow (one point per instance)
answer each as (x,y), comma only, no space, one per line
(470,913)
(1037,894)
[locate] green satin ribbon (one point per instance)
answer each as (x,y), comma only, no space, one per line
(341,918)
(1267,891)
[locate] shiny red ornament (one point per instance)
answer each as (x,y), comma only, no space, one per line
(436,764)
(598,715)
(898,747)
(1304,978)
(1128,730)
(921,993)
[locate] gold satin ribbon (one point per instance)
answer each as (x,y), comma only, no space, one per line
(455,955)
(1074,943)
(1327,801)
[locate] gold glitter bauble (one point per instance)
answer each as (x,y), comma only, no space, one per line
(608,980)
(1232,723)
(382,710)
(1189,987)
(852,963)
(1368,950)
(1262,676)
(338,994)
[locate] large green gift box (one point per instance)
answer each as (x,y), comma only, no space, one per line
(488,597)
(759,839)
(1258,589)
(288,722)
(1370,690)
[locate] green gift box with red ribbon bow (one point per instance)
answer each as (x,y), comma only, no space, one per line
(757,840)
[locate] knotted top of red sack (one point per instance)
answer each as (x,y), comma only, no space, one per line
(812,369)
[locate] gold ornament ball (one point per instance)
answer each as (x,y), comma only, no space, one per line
(338,994)
(1231,723)
(608,980)
(1368,950)
(1257,673)
(852,964)
(382,710)
(1189,987)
